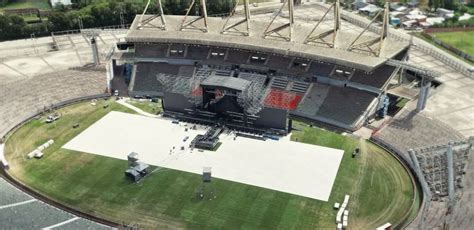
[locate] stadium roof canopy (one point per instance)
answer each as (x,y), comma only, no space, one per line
(232,83)
(257,43)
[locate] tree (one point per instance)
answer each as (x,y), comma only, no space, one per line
(11,27)
(59,21)
(451,4)
(4,2)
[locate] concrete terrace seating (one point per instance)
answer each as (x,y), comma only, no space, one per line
(344,104)
(146,80)
(22,99)
(376,78)
(10,194)
(410,129)
(310,104)
(34,214)
(186,71)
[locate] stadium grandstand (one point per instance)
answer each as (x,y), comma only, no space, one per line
(355,80)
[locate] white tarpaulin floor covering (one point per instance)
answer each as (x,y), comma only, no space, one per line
(283,165)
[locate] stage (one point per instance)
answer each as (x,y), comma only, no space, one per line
(283,165)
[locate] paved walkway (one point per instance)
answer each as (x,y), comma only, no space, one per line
(123,102)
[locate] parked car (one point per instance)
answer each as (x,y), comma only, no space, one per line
(53,117)
(116,93)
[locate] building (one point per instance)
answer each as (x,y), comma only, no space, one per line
(370,10)
(55,3)
(445,13)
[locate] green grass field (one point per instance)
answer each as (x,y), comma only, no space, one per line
(462,40)
(147,106)
(21,4)
(381,191)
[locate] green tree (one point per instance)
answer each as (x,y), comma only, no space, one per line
(59,21)
(451,4)
(11,27)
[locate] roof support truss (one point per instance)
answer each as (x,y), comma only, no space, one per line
(185,24)
(233,27)
(366,45)
(320,37)
(147,21)
(276,32)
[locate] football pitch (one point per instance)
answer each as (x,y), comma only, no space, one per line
(462,40)
(381,191)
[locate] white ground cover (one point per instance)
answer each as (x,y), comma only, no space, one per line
(283,165)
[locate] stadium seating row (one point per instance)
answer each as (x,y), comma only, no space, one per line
(433,162)
(410,129)
(21,211)
(22,99)
(376,78)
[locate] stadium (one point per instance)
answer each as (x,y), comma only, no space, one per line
(287,115)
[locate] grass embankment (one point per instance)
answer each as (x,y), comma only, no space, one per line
(380,189)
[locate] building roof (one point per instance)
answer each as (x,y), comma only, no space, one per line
(256,41)
(434,20)
(359,5)
(416,17)
(371,8)
(237,84)
(465,16)
(64,2)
